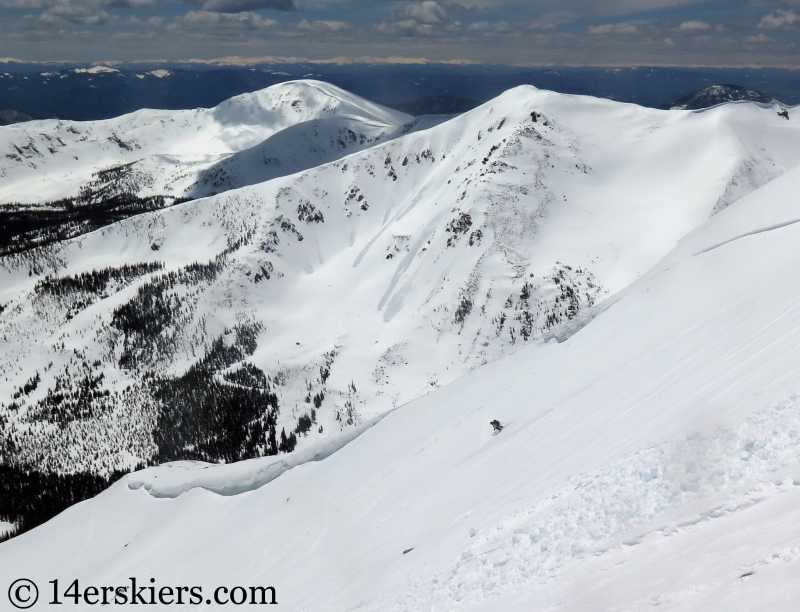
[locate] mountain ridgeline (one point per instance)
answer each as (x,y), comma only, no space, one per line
(276,272)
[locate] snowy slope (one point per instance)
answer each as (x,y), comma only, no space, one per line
(361,284)
(184,153)
(650,459)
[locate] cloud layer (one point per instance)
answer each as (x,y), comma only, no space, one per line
(626,32)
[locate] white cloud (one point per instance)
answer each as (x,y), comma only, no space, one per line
(26,4)
(146,35)
(613,29)
(66,13)
(694,26)
(242,6)
(428,18)
(323,26)
(407,28)
(127,3)
(222,22)
(537,26)
(428,12)
(486,27)
(502,27)
(761,38)
(780,20)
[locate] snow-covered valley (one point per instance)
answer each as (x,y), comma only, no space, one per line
(615,286)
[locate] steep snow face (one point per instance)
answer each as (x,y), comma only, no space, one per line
(316,301)
(178,153)
(650,459)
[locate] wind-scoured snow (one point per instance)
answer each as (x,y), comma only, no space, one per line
(648,460)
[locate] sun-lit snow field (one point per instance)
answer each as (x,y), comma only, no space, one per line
(649,459)
(375,279)
(649,455)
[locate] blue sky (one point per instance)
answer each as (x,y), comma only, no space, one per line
(560,32)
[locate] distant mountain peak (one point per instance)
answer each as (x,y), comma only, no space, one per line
(9,116)
(719,94)
(95,70)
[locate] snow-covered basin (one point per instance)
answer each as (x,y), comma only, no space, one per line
(649,459)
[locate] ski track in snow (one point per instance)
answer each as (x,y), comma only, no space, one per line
(700,479)
(753,233)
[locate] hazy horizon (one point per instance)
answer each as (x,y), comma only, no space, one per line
(503,32)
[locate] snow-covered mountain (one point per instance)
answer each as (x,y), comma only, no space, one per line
(250,138)
(61,179)
(719,94)
(304,306)
(648,458)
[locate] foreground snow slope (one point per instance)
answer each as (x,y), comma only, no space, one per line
(370,281)
(250,138)
(650,459)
